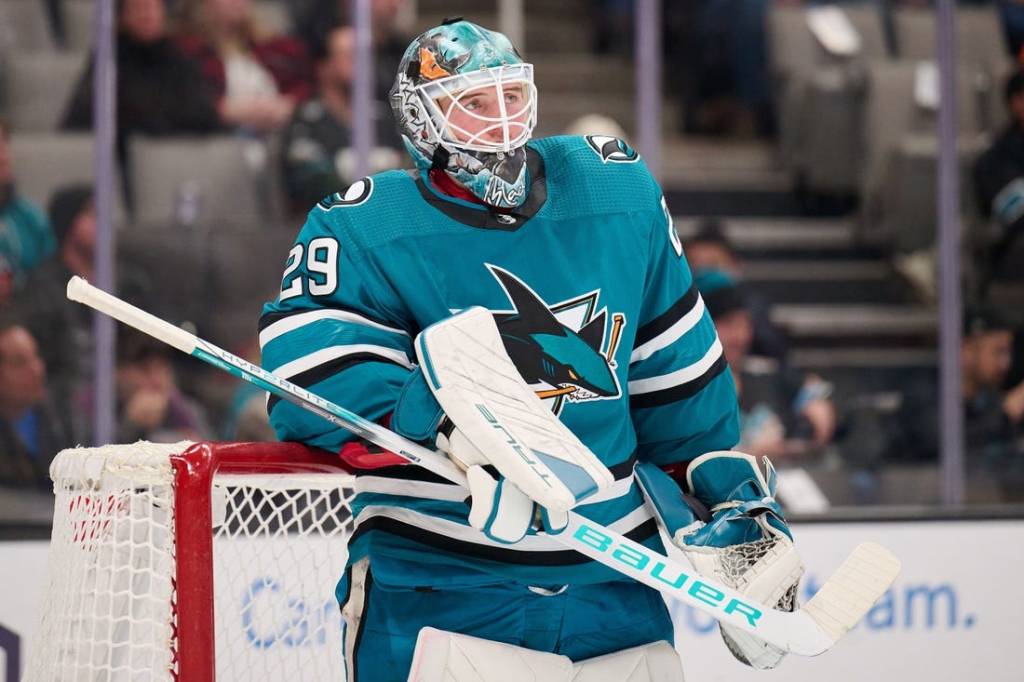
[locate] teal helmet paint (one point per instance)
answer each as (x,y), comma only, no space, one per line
(465,102)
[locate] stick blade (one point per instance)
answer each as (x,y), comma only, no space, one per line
(853,589)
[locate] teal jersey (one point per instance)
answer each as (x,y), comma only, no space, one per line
(597,309)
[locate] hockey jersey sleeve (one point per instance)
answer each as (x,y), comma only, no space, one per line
(681,394)
(336,330)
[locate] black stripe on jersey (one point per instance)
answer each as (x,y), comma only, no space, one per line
(623,469)
(268,319)
(682,391)
(668,318)
(506,555)
(328,369)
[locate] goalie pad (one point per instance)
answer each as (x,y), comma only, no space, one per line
(442,656)
(654,662)
(482,393)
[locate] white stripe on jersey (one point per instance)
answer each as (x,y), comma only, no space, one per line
(315,359)
(448,492)
(452,493)
(680,376)
(670,335)
(293,322)
(465,533)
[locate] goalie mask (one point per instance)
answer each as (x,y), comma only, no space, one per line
(465,102)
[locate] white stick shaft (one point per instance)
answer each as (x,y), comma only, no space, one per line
(83,292)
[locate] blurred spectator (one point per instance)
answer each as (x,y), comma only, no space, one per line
(150,404)
(999,177)
(1012,13)
(63,327)
(257,78)
(613,26)
(26,238)
(710,249)
(718,51)
(317,141)
(781,415)
(160,91)
(31,429)
(314,19)
(993,417)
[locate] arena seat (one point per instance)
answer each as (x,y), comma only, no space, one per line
(979,35)
(24,27)
(224,179)
(898,178)
(45,162)
(979,46)
(79,24)
(821,97)
(38,87)
(209,257)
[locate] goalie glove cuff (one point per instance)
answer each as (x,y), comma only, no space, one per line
(678,513)
(729,476)
(739,495)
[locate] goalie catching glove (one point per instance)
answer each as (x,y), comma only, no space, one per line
(731,528)
(470,400)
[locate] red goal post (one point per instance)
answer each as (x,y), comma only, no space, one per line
(195,562)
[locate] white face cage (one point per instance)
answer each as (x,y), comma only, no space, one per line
(490,110)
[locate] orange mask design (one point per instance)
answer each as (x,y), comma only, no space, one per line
(429,68)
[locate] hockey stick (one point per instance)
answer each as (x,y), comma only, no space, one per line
(841,602)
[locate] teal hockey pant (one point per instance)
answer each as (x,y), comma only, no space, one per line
(381,622)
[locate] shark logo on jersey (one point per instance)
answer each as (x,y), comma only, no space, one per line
(612,149)
(356,193)
(560,349)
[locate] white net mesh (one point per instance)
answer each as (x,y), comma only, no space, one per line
(734,567)
(736,561)
(110,611)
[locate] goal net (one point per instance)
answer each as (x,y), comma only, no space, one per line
(194,562)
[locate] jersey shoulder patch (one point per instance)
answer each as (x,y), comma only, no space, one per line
(612,149)
(373,211)
(359,192)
